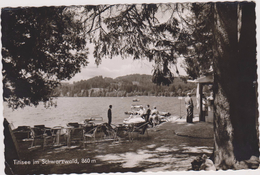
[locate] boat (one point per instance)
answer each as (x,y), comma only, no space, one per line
(166,114)
(133,119)
(131,112)
(134,109)
(135,124)
(136,100)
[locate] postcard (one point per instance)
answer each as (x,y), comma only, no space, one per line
(130,87)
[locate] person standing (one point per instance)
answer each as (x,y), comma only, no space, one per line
(204,106)
(148,113)
(154,116)
(109,114)
(189,107)
(141,111)
(146,117)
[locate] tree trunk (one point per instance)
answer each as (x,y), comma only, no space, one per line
(235,105)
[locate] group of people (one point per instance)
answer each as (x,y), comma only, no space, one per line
(206,105)
(151,116)
(148,115)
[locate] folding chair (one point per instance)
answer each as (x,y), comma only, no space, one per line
(89,134)
(111,133)
(47,135)
(74,135)
(35,134)
(23,133)
(56,134)
(140,128)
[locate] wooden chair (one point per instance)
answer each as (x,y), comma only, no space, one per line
(96,118)
(111,133)
(95,121)
(90,134)
(54,134)
(46,136)
(74,135)
(23,133)
(140,128)
(35,135)
(57,134)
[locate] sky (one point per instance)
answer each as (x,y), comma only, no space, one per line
(117,66)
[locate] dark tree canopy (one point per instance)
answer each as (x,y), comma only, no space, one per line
(143,31)
(40,47)
(218,35)
(157,32)
(199,54)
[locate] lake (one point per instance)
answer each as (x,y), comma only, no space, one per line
(77,109)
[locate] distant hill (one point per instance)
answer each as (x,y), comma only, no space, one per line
(128,85)
(135,77)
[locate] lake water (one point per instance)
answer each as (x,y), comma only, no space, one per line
(77,109)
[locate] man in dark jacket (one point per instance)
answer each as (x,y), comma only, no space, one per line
(148,113)
(109,114)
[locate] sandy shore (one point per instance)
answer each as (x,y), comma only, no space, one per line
(171,146)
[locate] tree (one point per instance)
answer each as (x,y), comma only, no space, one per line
(135,30)
(228,33)
(218,36)
(199,51)
(225,33)
(40,47)
(235,77)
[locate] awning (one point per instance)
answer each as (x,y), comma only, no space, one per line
(204,79)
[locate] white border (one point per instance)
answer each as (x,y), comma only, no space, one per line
(17,3)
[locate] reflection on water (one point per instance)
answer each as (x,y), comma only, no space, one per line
(77,109)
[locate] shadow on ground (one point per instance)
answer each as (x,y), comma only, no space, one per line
(171,146)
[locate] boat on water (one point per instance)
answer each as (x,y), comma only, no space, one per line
(134,109)
(166,114)
(133,119)
(136,117)
(136,100)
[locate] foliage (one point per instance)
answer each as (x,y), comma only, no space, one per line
(150,31)
(129,85)
(199,54)
(40,47)
(158,32)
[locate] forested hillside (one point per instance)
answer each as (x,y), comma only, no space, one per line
(125,86)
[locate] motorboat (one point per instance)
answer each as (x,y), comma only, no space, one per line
(134,119)
(136,100)
(166,114)
(134,109)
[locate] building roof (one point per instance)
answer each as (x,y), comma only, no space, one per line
(203,79)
